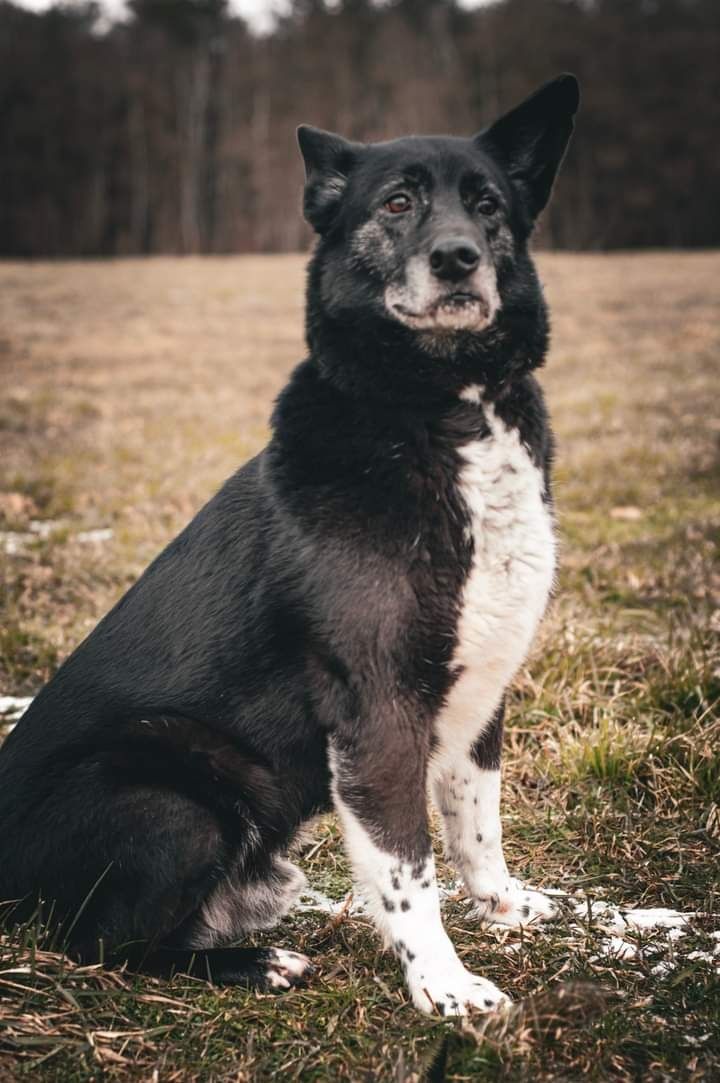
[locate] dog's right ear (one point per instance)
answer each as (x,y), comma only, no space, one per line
(533,137)
(328,160)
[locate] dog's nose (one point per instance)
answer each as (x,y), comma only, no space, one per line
(454,259)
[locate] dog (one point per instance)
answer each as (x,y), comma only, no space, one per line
(338,626)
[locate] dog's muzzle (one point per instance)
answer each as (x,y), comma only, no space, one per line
(451,289)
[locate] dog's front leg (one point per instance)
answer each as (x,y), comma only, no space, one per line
(379,794)
(466,790)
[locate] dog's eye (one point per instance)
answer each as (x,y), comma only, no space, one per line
(487,205)
(398,203)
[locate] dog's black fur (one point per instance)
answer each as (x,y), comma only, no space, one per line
(182,745)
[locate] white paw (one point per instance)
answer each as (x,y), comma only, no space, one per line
(514,903)
(454,992)
(287,968)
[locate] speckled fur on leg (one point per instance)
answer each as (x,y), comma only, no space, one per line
(467,795)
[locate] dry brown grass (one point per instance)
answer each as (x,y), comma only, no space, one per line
(131,389)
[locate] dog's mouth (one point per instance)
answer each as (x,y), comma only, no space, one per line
(456,311)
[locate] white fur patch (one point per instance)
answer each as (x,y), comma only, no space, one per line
(287,968)
(507,589)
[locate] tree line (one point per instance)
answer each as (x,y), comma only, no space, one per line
(173,131)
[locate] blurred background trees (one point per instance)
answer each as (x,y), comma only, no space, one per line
(173,131)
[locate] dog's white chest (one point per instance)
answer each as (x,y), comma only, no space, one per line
(510,577)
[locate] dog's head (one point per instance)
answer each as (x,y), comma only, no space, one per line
(429,233)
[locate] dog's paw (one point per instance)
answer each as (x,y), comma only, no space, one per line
(284,969)
(514,903)
(455,992)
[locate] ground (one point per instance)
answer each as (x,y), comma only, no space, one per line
(130,390)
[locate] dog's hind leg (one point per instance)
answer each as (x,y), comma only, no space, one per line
(179,884)
(237,904)
(243,902)
(267,969)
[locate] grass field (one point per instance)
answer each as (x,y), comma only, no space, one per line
(129,391)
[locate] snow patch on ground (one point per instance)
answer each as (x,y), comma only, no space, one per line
(15,542)
(662,969)
(11,708)
(618,948)
(655,930)
(663,928)
(619,920)
(94,537)
(316,901)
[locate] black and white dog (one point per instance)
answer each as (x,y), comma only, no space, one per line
(339,624)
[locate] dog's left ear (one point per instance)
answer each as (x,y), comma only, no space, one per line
(532,138)
(328,161)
